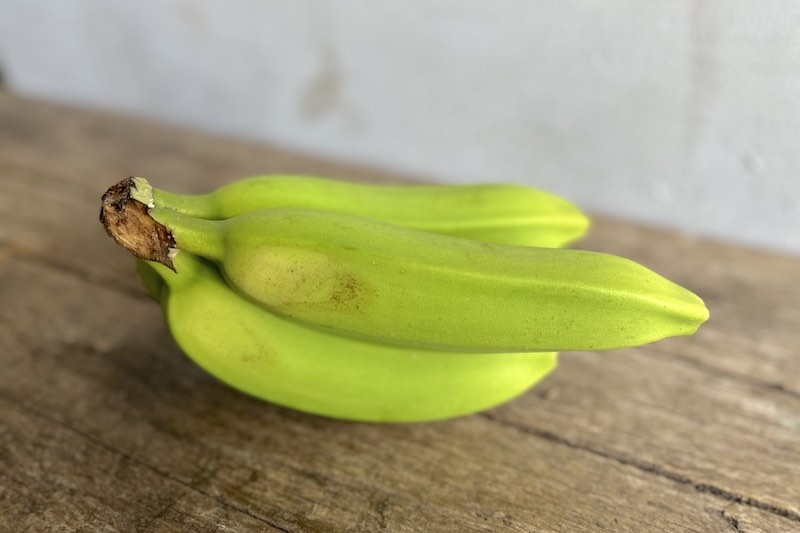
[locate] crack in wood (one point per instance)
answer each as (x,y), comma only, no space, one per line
(717,371)
(732,521)
(134,460)
(148,523)
(650,468)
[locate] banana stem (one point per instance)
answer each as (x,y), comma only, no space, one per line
(127,217)
(194,235)
(200,206)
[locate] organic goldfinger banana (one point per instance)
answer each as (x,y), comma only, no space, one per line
(303,368)
(500,213)
(392,284)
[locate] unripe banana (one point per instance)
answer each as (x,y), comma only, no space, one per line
(150,278)
(292,365)
(500,213)
(391,284)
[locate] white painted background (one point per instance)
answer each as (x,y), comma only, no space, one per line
(679,113)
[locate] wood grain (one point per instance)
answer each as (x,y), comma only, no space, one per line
(106,426)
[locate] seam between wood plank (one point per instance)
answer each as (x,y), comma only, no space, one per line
(134,460)
(708,369)
(650,468)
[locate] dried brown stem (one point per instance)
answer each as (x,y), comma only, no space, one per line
(127,222)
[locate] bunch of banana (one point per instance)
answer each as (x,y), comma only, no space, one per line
(290,364)
(349,310)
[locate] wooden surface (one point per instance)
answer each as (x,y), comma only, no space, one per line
(106,426)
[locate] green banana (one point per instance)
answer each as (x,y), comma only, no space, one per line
(150,278)
(370,306)
(500,213)
(292,365)
(391,284)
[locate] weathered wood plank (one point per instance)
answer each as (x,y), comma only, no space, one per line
(140,402)
(55,478)
(696,434)
(131,387)
(709,432)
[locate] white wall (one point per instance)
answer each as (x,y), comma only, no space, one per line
(680,113)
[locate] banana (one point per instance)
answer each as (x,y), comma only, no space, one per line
(500,213)
(391,284)
(150,278)
(289,364)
